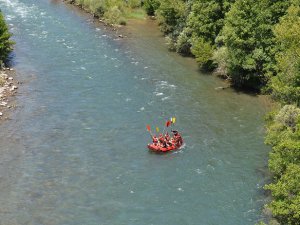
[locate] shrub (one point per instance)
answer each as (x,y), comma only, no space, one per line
(151,6)
(183,43)
(113,15)
(134,3)
(5,43)
(203,52)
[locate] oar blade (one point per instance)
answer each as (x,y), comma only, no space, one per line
(148,127)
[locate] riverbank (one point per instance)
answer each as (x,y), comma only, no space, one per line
(83,91)
(117,30)
(8,89)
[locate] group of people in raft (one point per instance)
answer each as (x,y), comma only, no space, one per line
(165,141)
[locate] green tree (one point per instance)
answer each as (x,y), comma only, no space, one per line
(151,6)
(286,85)
(5,43)
(172,16)
(249,39)
(286,196)
(204,23)
(283,134)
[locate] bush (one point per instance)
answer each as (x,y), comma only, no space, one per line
(183,43)
(113,15)
(286,195)
(285,86)
(5,43)
(122,21)
(203,52)
(249,38)
(134,3)
(220,57)
(151,6)
(288,116)
(284,136)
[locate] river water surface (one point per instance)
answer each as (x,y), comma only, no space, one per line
(74,151)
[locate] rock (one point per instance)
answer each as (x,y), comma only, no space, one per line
(3,103)
(10,78)
(13,88)
(120,36)
(11,69)
(1,114)
(219,88)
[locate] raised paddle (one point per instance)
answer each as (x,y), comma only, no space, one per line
(149,129)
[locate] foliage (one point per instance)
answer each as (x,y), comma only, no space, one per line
(5,43)
(220,57)
(151,6)
(183,43)
(134,3)
(284,135)
(286,85)
(249,38)
(113,11)
(286,196)
(284,127)
(206,18)
(203,51)
(171,16)
(113,14)
(205,21)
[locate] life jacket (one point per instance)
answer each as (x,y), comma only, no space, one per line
(161,139)
(167,137)
(154,139)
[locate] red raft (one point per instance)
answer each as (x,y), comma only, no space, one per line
(158,148)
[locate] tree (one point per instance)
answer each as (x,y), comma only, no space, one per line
(286,196)
(285,86)
(284,135)
(204,22)
(249,39)
(5,43)
(151,6)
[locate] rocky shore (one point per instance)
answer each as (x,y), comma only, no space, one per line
(8,89)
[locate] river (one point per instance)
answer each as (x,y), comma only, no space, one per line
(74,151)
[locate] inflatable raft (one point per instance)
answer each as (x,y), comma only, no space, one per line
(157,148)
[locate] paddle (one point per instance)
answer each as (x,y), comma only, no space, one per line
(157,129)
(149,129)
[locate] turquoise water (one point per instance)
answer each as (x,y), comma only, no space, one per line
(74,151)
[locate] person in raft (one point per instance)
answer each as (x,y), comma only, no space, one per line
(155,140)
(165,141)
(177,137)
(161,141)
(168,139)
